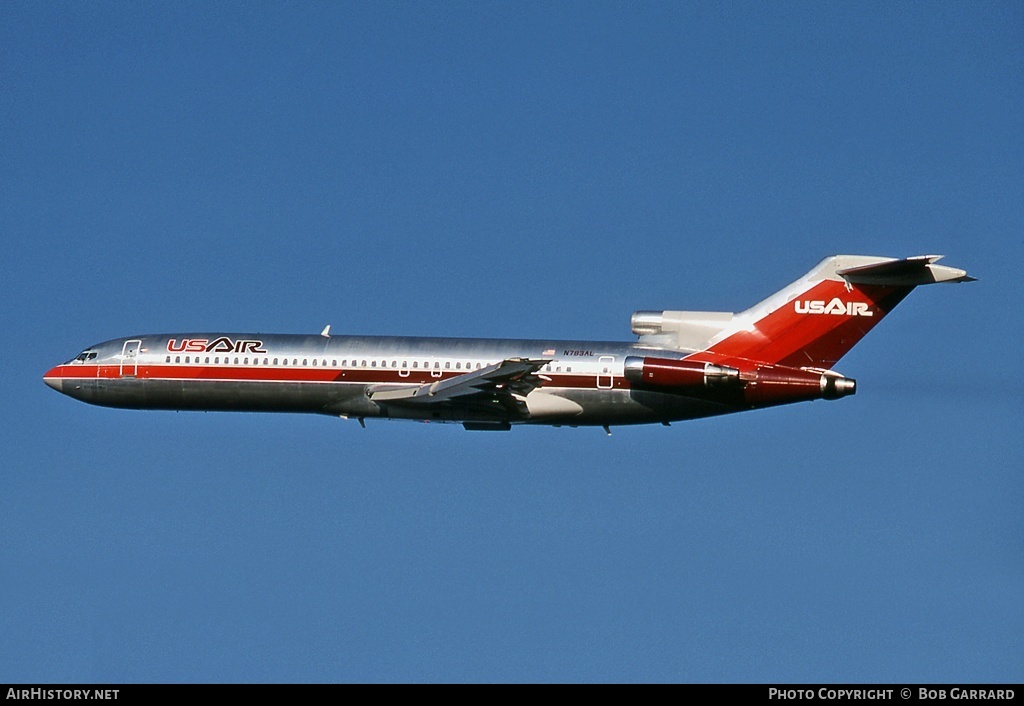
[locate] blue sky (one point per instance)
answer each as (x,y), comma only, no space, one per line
(533,170)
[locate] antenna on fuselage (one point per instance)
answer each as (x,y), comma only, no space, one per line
(326,333)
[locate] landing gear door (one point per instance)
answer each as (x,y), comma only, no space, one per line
(130,358)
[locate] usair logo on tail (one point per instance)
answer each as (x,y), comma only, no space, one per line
(836,306)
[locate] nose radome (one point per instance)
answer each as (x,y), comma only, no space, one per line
(53,379)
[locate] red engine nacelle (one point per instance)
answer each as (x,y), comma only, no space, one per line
(770,384)
(665,372)
(761,385)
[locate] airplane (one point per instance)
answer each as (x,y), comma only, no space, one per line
(684,364)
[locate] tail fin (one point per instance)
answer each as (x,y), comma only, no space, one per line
(816,320)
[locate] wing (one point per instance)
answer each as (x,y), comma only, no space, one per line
(504,385)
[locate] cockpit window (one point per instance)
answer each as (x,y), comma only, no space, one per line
(84,356)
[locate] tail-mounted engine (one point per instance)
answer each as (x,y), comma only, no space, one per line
(761,385)
(665,372)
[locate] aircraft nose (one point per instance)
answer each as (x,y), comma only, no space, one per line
(53,379)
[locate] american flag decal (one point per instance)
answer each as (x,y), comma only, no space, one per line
(549,351)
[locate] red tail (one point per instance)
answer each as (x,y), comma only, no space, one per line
(816,320)
(814,330)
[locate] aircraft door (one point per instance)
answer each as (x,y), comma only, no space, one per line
(130,358)
(605,374)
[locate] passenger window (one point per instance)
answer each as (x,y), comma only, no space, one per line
(415,364)
(364,363)
(177,359)
(373,364)
(458,366)
(334,363)
(447,365)
(186,359)
(275,361)
(236,361)
(568,370)
(295,361)
(207,360)
(436,365)
(325,363)
(314,362)
(216,361)
(246,361)
(168,359)
(284,361)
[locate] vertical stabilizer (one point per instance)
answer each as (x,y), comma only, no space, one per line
(817,319)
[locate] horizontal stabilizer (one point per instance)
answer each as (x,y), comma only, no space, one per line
(911,271)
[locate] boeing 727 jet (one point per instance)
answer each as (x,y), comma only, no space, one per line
(683,365)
